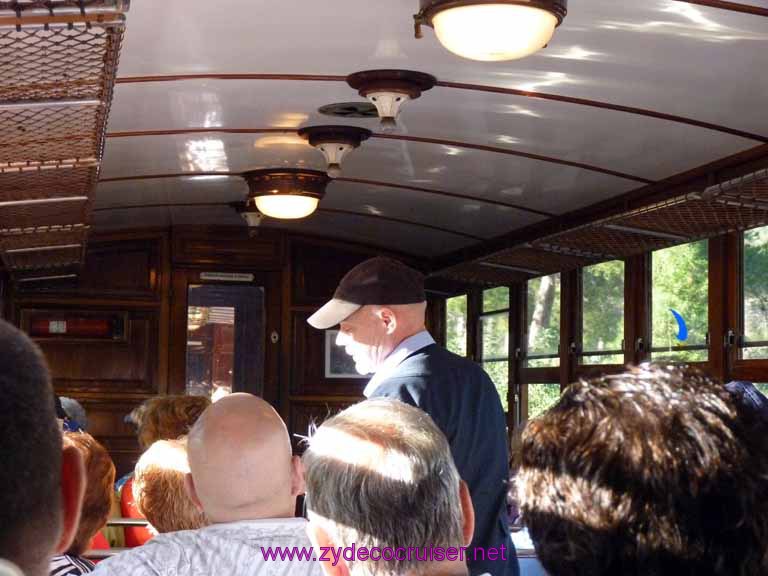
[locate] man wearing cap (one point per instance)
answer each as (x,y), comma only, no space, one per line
(380,306)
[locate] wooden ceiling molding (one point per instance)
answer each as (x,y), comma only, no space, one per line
(473,274)
(465,86)
(607,106)
(398,221)
(58,62)
(365,181)
(399,137)
(732,6)
(378,217)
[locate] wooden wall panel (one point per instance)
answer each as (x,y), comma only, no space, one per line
(106,367)
(317,270)
(132,273)
(126,269)
(260,250)
(307,375)
(106,422)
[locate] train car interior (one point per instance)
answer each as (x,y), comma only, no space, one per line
(183,183)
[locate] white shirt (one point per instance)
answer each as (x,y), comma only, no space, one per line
(401,352)
(232,549)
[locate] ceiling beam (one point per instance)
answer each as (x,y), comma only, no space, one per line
(464,86)
(320,210)
(498,150)
(446,194)
(607,106)
(401,137)
(694,180)
(344,179)
(732,6)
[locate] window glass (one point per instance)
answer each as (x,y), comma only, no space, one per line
(456,325)
(541,397)
(755,295)
(603,313)
(225,339)
(496,299)
(499,373)
(762,387)
(543,322)
(494,335)
(680,288)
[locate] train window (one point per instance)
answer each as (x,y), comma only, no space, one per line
(541,397)
(225,339)
(456,325)
(603,313)
(762,387)
(494,339)
(496,299)
(680,289)
(755,294)
(543,322)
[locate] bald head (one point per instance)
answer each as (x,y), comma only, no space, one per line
(241,462)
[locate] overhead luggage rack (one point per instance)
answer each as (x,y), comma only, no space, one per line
(58,62)
(730,206)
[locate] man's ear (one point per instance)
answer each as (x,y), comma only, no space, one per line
(467,513)
(189,484)
(388,318)
(72,491)
(298,486)
(325,550)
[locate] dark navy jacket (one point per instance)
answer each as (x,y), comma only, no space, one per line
(463,402)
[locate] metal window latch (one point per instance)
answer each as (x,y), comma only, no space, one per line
(573,348)
(639,345)
(274,337)
(518,353)
(729,340)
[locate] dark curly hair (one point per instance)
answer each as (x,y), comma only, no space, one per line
(654,472)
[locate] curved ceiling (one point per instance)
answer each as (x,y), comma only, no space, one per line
(627,93)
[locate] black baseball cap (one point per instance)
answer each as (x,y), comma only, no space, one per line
(378,281)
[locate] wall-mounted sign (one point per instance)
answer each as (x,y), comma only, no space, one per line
(227,276)
(74,324)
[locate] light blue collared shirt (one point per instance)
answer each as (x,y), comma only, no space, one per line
(401,352)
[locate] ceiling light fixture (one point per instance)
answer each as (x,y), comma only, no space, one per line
(388,90)
(492,30)
(335,142)
(284,193)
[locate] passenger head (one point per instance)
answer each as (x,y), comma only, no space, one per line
(378,304)
(41,482)
(380,474)
(167,417)
(241,462)
(99,489)
(654,471)
(159,488)
(75,411)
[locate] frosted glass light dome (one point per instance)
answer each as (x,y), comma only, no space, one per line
(494,32)
(286,206)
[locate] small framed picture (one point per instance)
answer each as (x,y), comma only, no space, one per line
(338,364)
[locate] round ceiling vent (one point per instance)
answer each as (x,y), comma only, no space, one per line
(350,110)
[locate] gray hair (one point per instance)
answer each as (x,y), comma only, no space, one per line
(380,474)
